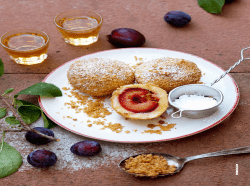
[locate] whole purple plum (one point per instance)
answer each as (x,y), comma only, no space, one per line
(126,37)
(42,158)
(36,138)
(86,148)
(177,18)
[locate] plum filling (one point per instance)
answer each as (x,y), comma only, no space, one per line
(138,100)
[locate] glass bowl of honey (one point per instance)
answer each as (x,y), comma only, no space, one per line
(26,46)
(79,27)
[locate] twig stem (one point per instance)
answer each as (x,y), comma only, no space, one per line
(27,126)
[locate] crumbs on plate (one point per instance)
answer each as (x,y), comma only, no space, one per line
(95,108)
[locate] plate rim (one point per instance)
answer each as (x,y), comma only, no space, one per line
(138,141)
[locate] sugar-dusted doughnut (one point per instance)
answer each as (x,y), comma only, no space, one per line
(139,101)
(99,76)
(167,73)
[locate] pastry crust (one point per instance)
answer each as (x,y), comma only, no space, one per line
(168,73)
(99,76)
(160,93)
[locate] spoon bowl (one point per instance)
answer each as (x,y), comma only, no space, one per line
(172,160)
(180,162)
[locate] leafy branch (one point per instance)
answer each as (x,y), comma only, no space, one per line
(28,112)
(24,113)
(13,121)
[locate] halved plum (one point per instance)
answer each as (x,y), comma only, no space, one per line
(139,101)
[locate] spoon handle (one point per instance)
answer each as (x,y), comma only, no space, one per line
(240,150)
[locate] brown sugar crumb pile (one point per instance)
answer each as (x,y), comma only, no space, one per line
(167,127)
(148,165)
(93,108)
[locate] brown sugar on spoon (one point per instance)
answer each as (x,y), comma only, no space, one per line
(168,73)
(139,101)
(148,165)
(99,76)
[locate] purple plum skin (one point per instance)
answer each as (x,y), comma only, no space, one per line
(37,139)
(42,158)
(126,37)
(177,18)
(86,148)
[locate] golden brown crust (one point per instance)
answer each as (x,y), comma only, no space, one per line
(160,93)
(99,76)
(168,73)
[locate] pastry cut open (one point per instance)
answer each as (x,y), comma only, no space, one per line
(140,101)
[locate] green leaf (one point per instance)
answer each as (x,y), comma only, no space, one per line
(9,90)
(29,113)
(42,89)
(22,102)
(10,160)
(212,6)
(2,112)
(47,122)
(12,120)
(1,67)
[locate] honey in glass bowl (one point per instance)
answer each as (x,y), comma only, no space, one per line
(26,46)
(79,27)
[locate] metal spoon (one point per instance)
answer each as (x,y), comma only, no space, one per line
(180,162)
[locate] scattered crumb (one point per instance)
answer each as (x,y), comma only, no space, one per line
(66,88)
(136,65)
(127,131)
(153,131)
(168,127)
(161,122)
(116,127)
(163,117)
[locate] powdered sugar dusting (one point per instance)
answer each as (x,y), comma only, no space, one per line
(167,72)
(66,159)
(99,76)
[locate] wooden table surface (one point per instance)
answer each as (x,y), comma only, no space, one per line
(218,38)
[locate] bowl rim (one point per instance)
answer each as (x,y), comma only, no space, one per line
(77,10)
(25,30)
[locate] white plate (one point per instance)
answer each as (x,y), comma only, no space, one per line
(55,109)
